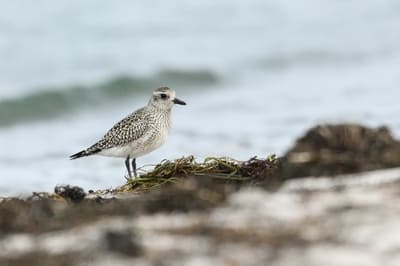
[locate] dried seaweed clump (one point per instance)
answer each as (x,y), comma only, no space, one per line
(343,148)
(222,169)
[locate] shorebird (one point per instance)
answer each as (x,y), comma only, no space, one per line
(139,133)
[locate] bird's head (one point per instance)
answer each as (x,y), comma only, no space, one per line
(164,98)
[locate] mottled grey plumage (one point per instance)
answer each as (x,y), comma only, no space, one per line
(140,132)
(125,131)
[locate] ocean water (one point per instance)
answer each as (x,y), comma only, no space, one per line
(255,75)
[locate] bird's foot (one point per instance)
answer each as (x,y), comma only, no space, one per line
(130,177)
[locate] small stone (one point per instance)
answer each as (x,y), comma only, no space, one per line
(75,193)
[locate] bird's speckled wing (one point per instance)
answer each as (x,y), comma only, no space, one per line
(125,131)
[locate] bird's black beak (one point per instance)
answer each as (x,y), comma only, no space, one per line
(177,101)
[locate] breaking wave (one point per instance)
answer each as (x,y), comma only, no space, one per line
(49,103)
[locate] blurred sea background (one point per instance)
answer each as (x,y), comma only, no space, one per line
(255,75)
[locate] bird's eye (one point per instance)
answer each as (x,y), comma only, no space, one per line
(163,96)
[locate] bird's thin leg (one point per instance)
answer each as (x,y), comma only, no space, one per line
(134,167)
(127,166)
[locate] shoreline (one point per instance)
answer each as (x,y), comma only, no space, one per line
(245,212)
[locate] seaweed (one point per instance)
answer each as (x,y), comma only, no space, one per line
(225,170)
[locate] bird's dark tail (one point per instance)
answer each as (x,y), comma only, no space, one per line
(79,155)
(83,153)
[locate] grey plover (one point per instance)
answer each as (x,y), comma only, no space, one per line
(139,133)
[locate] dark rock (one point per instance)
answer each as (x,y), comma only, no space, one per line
(75,194)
